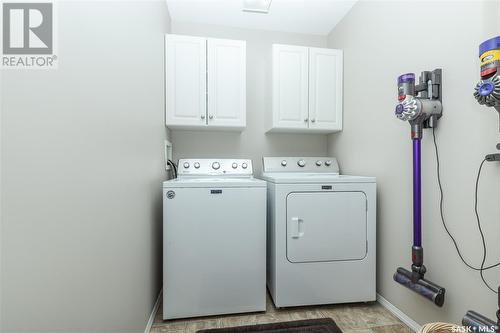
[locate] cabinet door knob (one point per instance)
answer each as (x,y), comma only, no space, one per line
(202,116)
(211,116)
(313,120)
(306,120)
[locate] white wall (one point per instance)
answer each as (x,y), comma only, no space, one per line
(82,161)
(382,40)
(253,142)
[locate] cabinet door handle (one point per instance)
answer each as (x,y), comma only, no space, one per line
(211,116)
(202,116)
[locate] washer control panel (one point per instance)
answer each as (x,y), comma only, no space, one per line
(301,164)
(215,167)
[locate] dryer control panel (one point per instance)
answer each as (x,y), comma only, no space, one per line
(215,167)
(301,164)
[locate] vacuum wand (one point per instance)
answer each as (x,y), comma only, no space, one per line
(417,195)
(420,105)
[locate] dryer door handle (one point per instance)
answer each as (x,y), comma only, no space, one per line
(297,227)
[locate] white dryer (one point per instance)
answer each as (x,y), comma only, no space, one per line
(321,232)
(214,239)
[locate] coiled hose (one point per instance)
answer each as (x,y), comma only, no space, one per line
(437,328)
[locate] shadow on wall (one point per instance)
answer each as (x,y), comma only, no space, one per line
(252,143)
(156,246)
(193,144)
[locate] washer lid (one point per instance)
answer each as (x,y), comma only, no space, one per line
(313,178)
(206,182)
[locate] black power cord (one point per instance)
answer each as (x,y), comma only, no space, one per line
(174,168)
(482,268)
(481,271)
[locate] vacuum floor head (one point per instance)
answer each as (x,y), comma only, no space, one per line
(479,323)
(423,287)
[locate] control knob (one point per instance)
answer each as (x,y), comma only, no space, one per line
(186,165)
(283,163)
(319,163)
(244,165)
(234,165)
(197,165)
(328,163)
(301,163)
(216,165)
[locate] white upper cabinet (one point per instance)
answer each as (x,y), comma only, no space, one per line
(226,83)
(307,89)
(290,95)
(205,83)
(186,82)
(325,89)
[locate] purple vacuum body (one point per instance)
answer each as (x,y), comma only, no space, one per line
(420,105)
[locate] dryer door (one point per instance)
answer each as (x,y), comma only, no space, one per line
(326,226)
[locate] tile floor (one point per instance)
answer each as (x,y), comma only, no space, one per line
(351,318)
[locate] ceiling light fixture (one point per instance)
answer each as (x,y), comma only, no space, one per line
(256,6)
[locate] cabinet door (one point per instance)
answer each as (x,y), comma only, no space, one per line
(185,81)
(290,92)
(325,89)
(226,83)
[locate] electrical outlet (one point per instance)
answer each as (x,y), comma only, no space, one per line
(168,153)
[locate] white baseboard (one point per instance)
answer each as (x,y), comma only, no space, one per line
(153,313)
(398,313)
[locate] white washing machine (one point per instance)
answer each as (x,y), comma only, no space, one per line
(321,232)
(214,239)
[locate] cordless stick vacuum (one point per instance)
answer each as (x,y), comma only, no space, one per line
(487,92)
(420,105)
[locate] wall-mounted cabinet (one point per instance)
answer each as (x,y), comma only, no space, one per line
(205,83)
(307,89)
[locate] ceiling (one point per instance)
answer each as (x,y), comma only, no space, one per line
(316,17)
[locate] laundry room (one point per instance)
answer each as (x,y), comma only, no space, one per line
(258,166)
